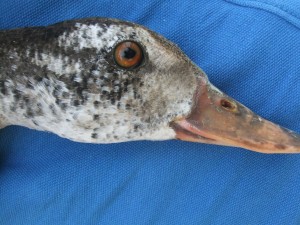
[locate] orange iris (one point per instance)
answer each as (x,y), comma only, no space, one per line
(128,54)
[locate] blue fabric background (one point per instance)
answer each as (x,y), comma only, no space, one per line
(249,49)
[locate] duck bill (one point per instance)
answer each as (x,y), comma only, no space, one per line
(216,118)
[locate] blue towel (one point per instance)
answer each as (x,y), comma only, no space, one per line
(250,49)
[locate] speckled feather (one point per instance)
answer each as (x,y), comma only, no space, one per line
(63,79)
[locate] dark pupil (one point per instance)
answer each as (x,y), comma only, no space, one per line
(128,53)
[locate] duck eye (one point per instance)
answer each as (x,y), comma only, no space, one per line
(128,54)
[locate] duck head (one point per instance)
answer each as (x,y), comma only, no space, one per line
(104,80)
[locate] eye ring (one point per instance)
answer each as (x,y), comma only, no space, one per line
(128,55)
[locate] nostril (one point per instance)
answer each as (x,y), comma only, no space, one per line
(228,105)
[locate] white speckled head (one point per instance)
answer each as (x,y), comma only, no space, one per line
(77,91)
(68,79)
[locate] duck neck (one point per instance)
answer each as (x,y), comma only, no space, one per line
(12,70)
(4,72)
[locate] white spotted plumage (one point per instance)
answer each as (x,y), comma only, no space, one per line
(74,88)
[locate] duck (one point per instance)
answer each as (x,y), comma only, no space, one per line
(102,80)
